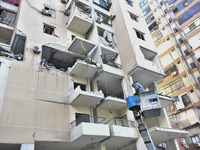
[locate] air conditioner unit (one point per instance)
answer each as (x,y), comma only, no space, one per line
(112,16)
(197,144)
(67,12)
(65,1)
(36,49)
(98,19)
(46,12)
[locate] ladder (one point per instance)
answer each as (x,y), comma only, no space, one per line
(143,130)
(145,100)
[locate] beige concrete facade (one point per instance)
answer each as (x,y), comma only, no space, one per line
(69,92)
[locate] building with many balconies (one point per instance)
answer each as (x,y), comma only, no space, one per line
(174,26)
(66,69)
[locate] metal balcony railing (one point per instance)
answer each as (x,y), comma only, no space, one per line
(89,119)
(121,122)
(12,2)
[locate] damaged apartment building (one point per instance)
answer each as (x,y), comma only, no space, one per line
(174,26)
(66,69)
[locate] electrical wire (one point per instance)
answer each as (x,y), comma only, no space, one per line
(33,7)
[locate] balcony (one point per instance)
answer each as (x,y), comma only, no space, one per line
(108,80)
(86,130)
(113,103)
(79,18)
(81,46)
(123,132)
(187,118)
(161,135)
(85,98)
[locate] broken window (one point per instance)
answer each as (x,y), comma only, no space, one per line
(102,3)
(103,18)
(7,17)
(185,99)
(18,47)
(140,35)
(82,86)
(48,30)
(48,11)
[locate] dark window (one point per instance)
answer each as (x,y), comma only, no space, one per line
(143,3)
(180,40)
(140,35)
(102,3)
(186,100)
(150,19)
(48,30)
(153,27)
(186,53)
(82,86)
(146,11)
(198,59)
(175,30)
(82,118)
(193,65)
(170,20)
(161,3)
(166,11)
(133,17)
(189,14)
(129,3)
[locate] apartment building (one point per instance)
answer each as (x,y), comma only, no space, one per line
(174,26)
(66,68)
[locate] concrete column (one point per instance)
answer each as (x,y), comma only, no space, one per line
(172,144)
(140,144)
(27,147)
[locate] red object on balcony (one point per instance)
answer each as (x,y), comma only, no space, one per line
(12,2)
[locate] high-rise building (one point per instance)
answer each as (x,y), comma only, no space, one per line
(174,26)
(66,69)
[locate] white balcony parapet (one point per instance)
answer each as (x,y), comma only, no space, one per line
(79,20)
(165,101)
(81,46)
(86,131)
(82,69)
(161,135)
(113,103)
(84,98)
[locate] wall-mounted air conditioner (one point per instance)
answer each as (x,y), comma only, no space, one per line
(36,49)
(46,12)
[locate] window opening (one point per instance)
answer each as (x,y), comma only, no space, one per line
(140,35)
(48,30)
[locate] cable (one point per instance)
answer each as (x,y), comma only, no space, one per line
(33,7)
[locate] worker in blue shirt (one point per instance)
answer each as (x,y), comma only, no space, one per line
(138,88)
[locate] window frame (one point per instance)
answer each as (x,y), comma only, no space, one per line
(140,35)
(45,26)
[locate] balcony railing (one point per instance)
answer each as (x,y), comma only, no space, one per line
(7,17)
(12,2)
(121,122)
(89,119)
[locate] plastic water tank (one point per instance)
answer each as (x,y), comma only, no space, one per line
(132,101)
